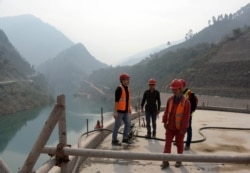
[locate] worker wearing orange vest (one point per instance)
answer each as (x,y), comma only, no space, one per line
(122,110)
(175,120)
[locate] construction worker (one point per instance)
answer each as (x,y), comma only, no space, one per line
(152,108)
(175,120)
(193,101)
(122,110)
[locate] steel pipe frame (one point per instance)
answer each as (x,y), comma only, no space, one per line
(150,156)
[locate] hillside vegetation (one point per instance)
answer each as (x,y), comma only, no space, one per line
(20,87)
(214,61)
(69,68)
(220,69)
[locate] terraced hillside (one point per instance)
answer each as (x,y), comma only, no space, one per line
(227,72)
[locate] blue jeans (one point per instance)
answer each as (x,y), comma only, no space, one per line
(149,116)
(125,118)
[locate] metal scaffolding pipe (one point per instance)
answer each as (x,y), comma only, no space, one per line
(3,167)
(62,132)
(46,167)
(150,156)
(44,135)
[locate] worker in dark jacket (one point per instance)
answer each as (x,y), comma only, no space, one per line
(193,102)
(152,108)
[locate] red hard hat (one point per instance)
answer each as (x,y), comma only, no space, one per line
(124,76)
(183,82)
(176,84)
(152,81)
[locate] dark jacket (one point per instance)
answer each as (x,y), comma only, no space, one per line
(153,101)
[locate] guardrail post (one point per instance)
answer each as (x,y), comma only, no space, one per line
(45,133)
(62,130)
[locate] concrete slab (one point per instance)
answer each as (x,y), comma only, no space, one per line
(226,142)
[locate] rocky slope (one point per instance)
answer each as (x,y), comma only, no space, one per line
(20,86)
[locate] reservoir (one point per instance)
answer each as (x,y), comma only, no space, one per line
(19,131)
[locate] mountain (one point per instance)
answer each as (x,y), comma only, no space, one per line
(219,28)
(21,87)
(69,68)
(13,66)
(220,69)
(132,60)
(35,40)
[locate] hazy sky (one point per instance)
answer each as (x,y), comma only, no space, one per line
(115,29)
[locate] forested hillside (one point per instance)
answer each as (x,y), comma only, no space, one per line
(211,69)
(69,68)
(214,61)
(20,86)
(219,27)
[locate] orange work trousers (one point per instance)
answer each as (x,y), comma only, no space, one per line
(179,137)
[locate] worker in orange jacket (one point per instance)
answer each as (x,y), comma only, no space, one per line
(175,120)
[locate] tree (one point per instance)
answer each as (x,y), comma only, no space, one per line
(214,19)
(189,35)
(226,17)
(236,32)
(230,16)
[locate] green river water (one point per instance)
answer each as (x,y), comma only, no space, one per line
(19,131)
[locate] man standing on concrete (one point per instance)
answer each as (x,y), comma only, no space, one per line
(193,101)
(175,120)
(152,109)
(122,110)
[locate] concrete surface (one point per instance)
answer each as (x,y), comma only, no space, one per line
(225,142)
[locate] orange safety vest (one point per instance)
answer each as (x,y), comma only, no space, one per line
(121,105)
(179,111)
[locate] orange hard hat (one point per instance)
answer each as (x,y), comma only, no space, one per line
(152,81)
(183,82)
(124,76)
(176,84)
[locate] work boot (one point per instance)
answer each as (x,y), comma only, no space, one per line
(126,141)
(154,135)
(116,142)
(178,164)
(165,164)
(187,148)
(148,136)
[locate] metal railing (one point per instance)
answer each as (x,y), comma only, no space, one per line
(62,153)
(57,115)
